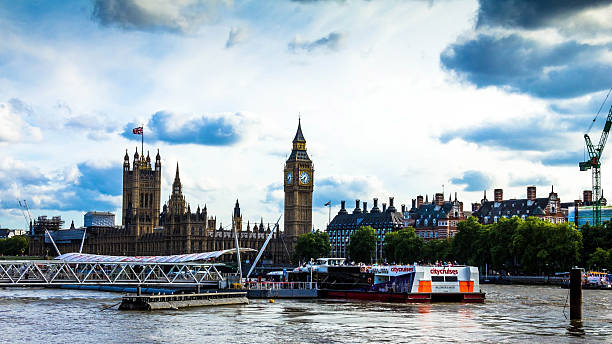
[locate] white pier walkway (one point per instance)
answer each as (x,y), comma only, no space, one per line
(25,273)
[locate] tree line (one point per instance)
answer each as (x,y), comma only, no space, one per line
(14,246)
(516,246)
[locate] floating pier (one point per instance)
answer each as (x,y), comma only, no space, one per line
(155,302)
(281,290)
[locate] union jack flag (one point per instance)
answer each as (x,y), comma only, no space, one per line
(137,131)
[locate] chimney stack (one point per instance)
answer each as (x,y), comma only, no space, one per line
(587,196)
(531,193)
(365,207)
(403,208)
(391,207)
(439,199)
(498,195)
(384,207)
(342,207)
(419,201)
(375,208)
(413,203)
(357,208)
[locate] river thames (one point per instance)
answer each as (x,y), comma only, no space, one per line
(510,314)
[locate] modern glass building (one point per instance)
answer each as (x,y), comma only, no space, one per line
(585,214)
(99,219)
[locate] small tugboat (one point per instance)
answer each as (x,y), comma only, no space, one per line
(414,283)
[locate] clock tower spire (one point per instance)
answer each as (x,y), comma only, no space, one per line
(298,176)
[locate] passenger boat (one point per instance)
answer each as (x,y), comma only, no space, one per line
(415,283)
(592,280)
(320,265)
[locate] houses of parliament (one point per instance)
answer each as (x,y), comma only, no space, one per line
(177,228)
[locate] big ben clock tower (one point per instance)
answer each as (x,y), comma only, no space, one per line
(298,181)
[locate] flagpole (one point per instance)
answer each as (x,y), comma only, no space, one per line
(142,139)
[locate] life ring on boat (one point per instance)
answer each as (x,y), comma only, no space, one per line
(369,279)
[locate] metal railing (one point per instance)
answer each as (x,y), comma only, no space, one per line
(279,285)
(56,272)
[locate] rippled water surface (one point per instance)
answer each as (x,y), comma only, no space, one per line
(510,314)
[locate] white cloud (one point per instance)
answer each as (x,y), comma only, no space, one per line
(371,111)
(13,127)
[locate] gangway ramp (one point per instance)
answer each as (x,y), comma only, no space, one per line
(27,273)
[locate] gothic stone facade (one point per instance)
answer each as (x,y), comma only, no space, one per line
(176,230)
(299,183)
(179,230)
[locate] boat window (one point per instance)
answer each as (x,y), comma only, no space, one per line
(437,278)
(451,278)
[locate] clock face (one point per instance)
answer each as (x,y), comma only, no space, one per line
(304,177)
(289,177)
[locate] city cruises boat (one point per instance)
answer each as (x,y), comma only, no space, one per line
(328,273)
(414,283)
(320,265)
(592,280)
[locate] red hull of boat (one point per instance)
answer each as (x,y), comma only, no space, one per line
(406,298)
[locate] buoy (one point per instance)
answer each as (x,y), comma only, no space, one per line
(271,300)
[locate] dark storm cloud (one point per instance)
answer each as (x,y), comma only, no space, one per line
(563,70)
(127,14)
(530,14)
(473,181)
(331,42)
(172,17)
(74,198)
(210,131)
(105,180)
(525,135)
(21,175)
(564,158)
(90,191)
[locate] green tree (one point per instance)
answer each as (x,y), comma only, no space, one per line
(312,245)
(14,246)
(403,246)
(502,254)
(600,259)
(362,245)
(545,247)
(471,243)
(594,237)
(564,243)
(437,250)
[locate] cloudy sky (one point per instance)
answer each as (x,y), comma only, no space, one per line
(397,98)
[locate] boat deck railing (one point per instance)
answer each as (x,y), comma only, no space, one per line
(255,285)
(183,297)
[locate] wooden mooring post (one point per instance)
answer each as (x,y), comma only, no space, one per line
(576,294)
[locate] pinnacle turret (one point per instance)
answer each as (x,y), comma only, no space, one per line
(176,185)
(299,137)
